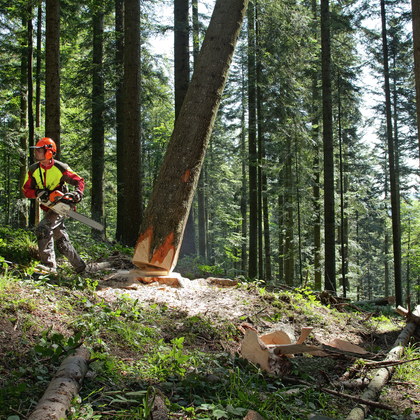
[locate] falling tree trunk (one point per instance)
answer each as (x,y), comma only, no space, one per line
(252,150)
(329,212)
(166,214)
(119,105)
(415,8)
(182,79)
(52,72)
(133,200)
(396,227)
(98,127)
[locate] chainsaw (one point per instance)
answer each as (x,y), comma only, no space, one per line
(63,204)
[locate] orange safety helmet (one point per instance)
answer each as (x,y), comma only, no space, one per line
(48,145)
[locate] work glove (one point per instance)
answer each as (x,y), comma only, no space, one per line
(43,195)
(77,196)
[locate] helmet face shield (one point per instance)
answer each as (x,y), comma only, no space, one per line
(48,145)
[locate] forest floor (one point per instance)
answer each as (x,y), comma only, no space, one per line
(185,343)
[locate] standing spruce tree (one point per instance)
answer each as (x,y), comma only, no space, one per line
(133,200)
(329,211)
(119,111)
(252,148)
(98,109)
(52,72)
(396,224)
(23,161)
(415,8)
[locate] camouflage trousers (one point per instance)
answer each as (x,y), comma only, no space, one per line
(49,230)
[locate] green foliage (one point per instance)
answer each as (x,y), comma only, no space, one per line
(16,244)
(169,360)
(56,345)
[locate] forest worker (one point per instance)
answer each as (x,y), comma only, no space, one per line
(43,177)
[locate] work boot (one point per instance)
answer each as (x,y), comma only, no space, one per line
(45,269)
(80,269)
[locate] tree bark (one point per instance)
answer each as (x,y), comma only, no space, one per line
(133,200)
(396,223)
(52,72)
(329,212)
(201,190)
(98,128)
(415,11)
(166,214)
(289,260)
(65,385)
(182,79)
(23,158)
(252,150)
(119,104)
(316,189)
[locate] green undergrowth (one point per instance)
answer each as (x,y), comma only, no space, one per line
(141,350)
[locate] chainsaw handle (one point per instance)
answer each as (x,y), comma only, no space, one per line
(58,195)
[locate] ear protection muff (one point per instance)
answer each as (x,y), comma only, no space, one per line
(48,152)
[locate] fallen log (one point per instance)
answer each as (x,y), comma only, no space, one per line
(390,300)
(383,374)
(409,315)
(63,388)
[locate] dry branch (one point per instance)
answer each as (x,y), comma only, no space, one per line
(62,389)
(383,374)
(342,395)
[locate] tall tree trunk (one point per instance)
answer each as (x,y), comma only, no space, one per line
(119,104)
(201,189)
(166,214)
(133,199)
(415,8)
(23,158)
(33,205)
(34,212)
(252,149)
(386,239)
(281,223)
(298,215)
(396,227)
(52,72)
(289,260)
(98,128)
(263,232)
(340,142)
(315,140)
(244,226)
(329,215)
(182,79)
(38,72)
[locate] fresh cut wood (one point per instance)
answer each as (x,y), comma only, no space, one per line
(65,385)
